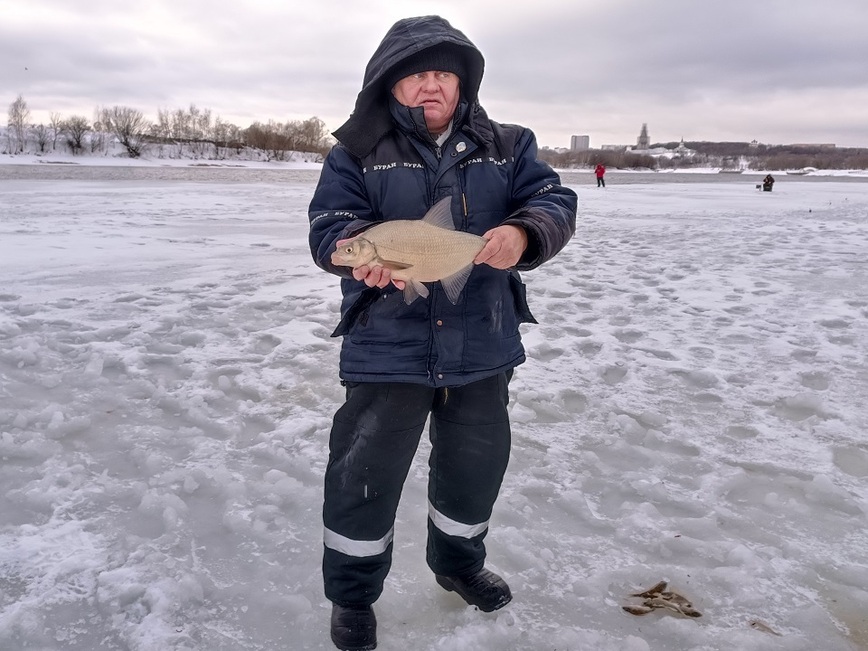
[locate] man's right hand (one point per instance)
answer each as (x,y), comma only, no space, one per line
(376,276)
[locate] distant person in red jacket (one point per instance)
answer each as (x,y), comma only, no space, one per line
(600,171)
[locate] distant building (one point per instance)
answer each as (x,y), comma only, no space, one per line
(580,143)
(643,141)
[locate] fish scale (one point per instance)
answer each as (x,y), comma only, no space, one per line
(433,252)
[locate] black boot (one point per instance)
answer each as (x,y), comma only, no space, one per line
(354,628)
(485,589)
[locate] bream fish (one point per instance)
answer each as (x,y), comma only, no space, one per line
(659,597)
(417,251)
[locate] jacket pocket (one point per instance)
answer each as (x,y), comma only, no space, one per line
(519,294)
(367,298)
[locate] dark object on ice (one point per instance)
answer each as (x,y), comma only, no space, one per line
(757,625)
(354,628)
(768,182)
(658,597)
(485,589)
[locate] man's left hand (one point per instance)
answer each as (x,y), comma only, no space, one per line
(505,246)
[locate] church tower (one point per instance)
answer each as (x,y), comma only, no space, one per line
(643,141)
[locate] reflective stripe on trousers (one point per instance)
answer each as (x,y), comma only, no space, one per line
(362,548)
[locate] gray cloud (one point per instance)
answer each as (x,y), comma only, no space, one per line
(777,71)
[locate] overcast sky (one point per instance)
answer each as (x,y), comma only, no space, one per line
(778,71)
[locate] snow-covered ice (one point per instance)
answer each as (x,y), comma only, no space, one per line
(693,408)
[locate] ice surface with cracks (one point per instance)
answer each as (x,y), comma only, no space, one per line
(693,408)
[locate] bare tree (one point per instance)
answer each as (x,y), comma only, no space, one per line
(271,138)
(42,137)
(195,134)
(204,130)
(54,122)
(220,133)
(278,139)
(235,138)
(130,127)
(256,136)
(180,128)
(19,114)
(312,135)
(74,129)
(162,128)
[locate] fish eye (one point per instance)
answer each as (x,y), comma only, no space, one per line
(349,249)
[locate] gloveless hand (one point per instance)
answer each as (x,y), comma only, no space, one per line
(373,275)
(376,276)
(505,246)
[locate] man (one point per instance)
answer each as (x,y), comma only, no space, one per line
(417,135)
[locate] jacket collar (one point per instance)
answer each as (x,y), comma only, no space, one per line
(472,121)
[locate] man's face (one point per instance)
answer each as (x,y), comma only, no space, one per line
(435,91)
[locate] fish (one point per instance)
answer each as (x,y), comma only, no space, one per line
(757,625)
(417,251)
(658,596)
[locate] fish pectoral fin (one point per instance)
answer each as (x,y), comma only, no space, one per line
(453,284)
(638,610)
(394,265)
(413,289)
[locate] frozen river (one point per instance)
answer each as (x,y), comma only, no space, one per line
(693,409)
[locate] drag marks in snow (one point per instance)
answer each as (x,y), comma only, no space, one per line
(169,424)
(691,409)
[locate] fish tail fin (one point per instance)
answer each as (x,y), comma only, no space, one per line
(413,289)
(453,284)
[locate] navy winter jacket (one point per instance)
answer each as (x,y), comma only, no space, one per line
(394,170)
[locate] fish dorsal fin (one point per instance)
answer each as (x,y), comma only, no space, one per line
(440,214)
(453,284)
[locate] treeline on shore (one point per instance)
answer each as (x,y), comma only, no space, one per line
(197,133)
(180,133)
(724,155)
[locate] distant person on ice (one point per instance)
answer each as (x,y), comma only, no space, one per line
(600,172)
(768,182)
(418,135)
